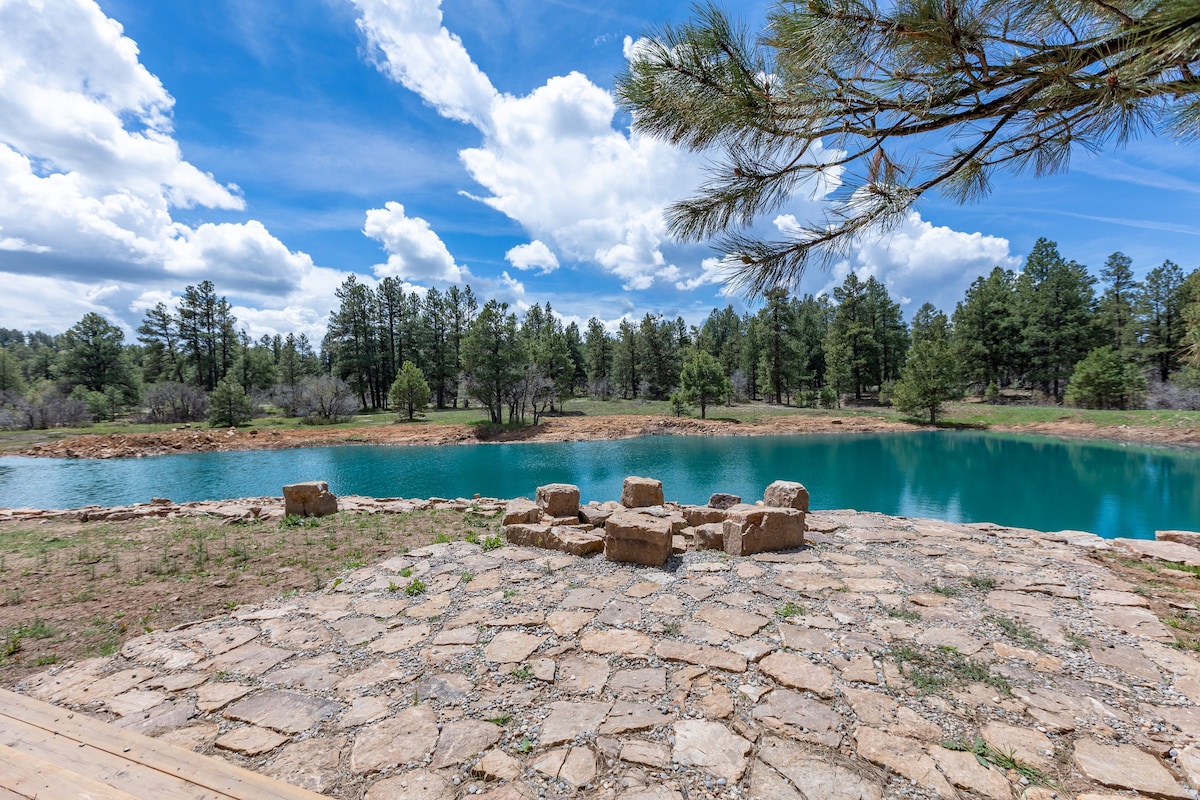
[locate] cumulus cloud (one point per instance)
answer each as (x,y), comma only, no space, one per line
(535,255)
(552,159)
(920,262)
(92,174)
(713,271)
(415,251)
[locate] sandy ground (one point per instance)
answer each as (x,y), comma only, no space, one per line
(555,429)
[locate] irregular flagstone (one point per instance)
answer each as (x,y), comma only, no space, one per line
(215,696)
(808,640)
(766,782)
(496,765)
(1136,621)
(800,717)
(650,680)
(579,768)
(364,710)
(797,672)
(624,642)
(1126,659)
(964,771)
(620,612)
(1114,598)
(1020,603)
(222,640)
(740,623)
(250,659)
(674,650)
(904,756)
(1126,767)
(420,784)
(820,772)
(582,674)
(310,635)
(468,634)
(880,711)
(462,739)
(165,717)
(311,764)
(91,689)
(1164,550)
(509,647)
(712,747)
(568,720)
(286,712)
(135,701)
(649,754)
(251,740)
(313,674)
(568,623)
(626,717)
(1028,745)
(404,738)
(951,637)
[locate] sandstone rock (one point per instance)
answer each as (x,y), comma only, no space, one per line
(1126,767)
(559,499)
(521,511)
(712,747)
(800,717)
(964,771)
(417,785)
(1164,549)
(902,755)
(462,739)
(710,536)
(641,492)
(1190,538)
(637,538)
(569,720)
(723,501)
(672,650)
(703,515)
(287,712)
(753,529)
(554,537)
(596,514)
(309,499)
(786,494)
(496,765)
(820,772)
(250,740)
(408,736)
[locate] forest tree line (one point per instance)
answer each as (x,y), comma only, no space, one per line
(1052,333)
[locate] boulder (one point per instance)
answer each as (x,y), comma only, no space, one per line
(723,501)
(559,499)
(710,536)
(786,494)
(596,514)
(1190,538)
(309,499)
(641,492)
(521,511)
(637,538)
(757,529)
(555,537)
(703,515)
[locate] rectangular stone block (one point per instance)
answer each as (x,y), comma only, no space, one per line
(710,536)
(559,499)
(596,514)
(575,541)
(641,492)
(703,515)
(786,494)
(309,499)
(521,511)
(637,539)
(758,529)
(526,534)
(723,501)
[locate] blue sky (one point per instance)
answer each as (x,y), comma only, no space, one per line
(277,147)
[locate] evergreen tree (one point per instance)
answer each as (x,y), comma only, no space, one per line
(987,331)
(930,377)
(1160,311)
(851,350)
(778,344)
(598,353)
(409,392)
(229,405)
(1056,312)
(627,359)
(11,379)
(703,381)
(1116,304)
(93,358)
(493,358)
(352,344)
(1104,379)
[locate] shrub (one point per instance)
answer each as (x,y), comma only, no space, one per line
(1103,379)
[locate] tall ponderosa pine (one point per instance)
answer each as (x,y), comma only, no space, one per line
(878,103)
(1160,311)
(493,358)
(987,331)
(1116,304)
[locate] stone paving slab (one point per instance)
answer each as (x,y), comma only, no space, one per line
(838,671)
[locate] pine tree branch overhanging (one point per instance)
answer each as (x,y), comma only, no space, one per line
(904,98)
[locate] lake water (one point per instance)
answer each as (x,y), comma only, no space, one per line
(1032,482)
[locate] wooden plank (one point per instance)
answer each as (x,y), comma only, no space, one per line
(31,777)
(214,774)
(116,771)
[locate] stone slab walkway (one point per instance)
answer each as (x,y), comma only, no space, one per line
(891,658)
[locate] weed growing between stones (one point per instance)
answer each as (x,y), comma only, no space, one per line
(989,756)
(1020,633)
(415,587)
(981,584)
(938,670)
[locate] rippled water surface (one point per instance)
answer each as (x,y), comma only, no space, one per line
(1045,484)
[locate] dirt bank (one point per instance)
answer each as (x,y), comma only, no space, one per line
(555,429)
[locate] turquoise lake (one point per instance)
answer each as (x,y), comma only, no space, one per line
(1031,482)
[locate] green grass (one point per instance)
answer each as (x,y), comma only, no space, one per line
(1004,761)
(940,669)
(1020,633)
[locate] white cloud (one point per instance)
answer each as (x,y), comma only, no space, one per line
(920,262)
(92,172)
(552,160)
(713,271)
(426,58)
(535,255)
(415,252)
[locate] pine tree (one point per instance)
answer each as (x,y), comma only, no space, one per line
(703,381)
(409,393)
(229,405)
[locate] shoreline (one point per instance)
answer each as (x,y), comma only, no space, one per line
(553,429)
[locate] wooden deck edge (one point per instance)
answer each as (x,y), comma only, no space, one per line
(28,776)
(212,773)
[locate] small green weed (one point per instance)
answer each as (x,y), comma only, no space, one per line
(415,587)
(297,521)
(442,538)
(523,672)
(492,542)
(501,720)
(944,591)
(989,756)
(944,668)
(906,614)
(525,746)
(406,572)
(789,609)
(466,576)
(982,584)
(1019,633)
